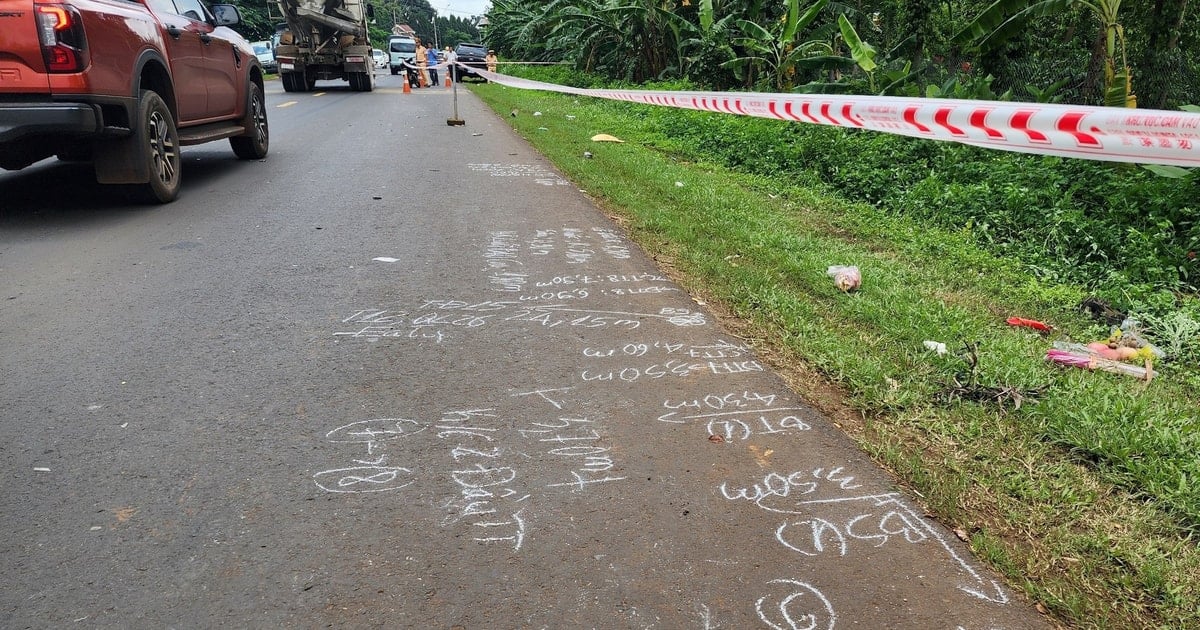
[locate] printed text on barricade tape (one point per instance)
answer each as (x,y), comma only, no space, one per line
(1113,134)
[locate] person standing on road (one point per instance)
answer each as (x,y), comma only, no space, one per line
(451,58)
(432,59)
(491,61)
(421,60)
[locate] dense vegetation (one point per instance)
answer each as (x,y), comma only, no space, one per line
(1072,50)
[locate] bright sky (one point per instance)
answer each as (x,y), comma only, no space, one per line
(460,8)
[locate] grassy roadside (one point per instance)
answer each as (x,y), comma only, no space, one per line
(1079,487)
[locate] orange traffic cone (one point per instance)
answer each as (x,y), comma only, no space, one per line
(407,88)
(447,80)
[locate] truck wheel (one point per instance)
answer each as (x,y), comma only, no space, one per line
(253,146)
(158,141)
(298,82)
(361,81)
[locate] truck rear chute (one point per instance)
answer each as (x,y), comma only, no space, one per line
(325,40)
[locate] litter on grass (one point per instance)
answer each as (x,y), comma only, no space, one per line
(1029,323)
(1090,361)
(845,278)
(936,346)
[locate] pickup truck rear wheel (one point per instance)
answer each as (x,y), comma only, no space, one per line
(159,143)
(253,146)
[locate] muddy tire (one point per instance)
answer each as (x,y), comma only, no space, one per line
(254,145)
(158,143)
(298,82)
(362,81)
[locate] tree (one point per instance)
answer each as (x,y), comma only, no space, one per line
(1005,19)
(256,24)
(1166,58)
(779,49)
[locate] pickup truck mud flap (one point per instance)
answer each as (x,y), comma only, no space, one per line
(120,161)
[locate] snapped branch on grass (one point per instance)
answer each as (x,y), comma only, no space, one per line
(965,385)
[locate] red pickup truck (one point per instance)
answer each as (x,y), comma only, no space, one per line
(125,84)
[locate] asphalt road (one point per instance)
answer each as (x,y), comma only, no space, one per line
(403,374)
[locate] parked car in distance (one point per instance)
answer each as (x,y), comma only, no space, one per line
(472,56)
(266,55)
(381,58)
(400,49)
(402,56)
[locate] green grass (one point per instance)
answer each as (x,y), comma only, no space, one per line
(1085,496)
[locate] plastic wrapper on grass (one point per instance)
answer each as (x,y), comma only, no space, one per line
(845,278)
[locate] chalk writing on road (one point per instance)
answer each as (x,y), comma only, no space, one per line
(721,349)
(670,368)
(579,293)
(835,520)
(371,432)
(599,279)
(369,475)
(508,253)
(432,320)
(737,416)
(539,174)
(576,441)
(716,358)
(498,471)
(491,496)
(373,478)
(795,605)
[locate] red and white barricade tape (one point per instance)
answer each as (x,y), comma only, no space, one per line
(1113,134)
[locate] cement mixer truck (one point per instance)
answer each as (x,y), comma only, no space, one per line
(325,40)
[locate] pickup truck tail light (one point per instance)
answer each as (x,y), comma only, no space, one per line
(64,44)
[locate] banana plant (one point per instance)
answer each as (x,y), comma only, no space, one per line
(1047,95)
(862,52)
(779,50)
(1005,19)
(704,44)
